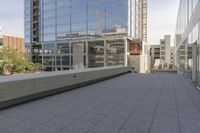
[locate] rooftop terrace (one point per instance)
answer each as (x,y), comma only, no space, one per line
(131,103)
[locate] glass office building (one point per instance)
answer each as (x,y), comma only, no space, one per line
(77,34)
(187,39)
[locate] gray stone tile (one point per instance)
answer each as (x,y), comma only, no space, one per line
(4,123)
(42,129)
(116,122)
(190,115)
(19,127)
(167,121)
(142,116)
(129,131)
(190,130)
(160,128)
(77,127)
(2,131)
(103,129)
(137,125)
(63,120)
(189,123)
(91,118)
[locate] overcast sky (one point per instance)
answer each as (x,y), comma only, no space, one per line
(11,17)
(161,18)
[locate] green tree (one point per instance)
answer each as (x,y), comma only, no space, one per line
(11,62)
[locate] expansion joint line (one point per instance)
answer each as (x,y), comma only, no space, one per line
(158,101)
(177,114)
(138,86)
(113,108)
(119,92)
(138,104)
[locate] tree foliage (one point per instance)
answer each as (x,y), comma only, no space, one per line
(11,62)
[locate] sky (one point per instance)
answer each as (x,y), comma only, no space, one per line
(162,16)
(11,17)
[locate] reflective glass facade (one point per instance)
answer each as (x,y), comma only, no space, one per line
(75,19)
(93,32)
(27,21)
(187,39)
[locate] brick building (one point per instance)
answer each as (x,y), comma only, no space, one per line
(16,43)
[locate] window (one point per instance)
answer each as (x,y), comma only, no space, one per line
(63,48)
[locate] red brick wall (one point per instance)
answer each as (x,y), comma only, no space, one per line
(15,43)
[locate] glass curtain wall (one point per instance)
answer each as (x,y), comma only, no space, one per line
(92,22)
(69,20)
(96,54)
(182,57)
(49,60)
(62,56)
(188,49)
(75,19)
(115,52)
(27,26)
(63,20)
(49,20)
(196,45)
(27,21)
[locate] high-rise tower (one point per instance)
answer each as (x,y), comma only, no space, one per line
(144,20)
(76,34)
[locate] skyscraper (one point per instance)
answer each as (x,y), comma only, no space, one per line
(77,34)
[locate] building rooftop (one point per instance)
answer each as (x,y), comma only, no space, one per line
(132,103)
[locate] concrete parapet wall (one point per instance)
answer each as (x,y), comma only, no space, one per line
(23,88)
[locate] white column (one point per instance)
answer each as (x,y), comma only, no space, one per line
(105,53)
(125,52)
(70,55)
(87,54)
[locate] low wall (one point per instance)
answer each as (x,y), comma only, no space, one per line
(23,88)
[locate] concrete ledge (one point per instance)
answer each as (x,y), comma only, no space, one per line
(24,88)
